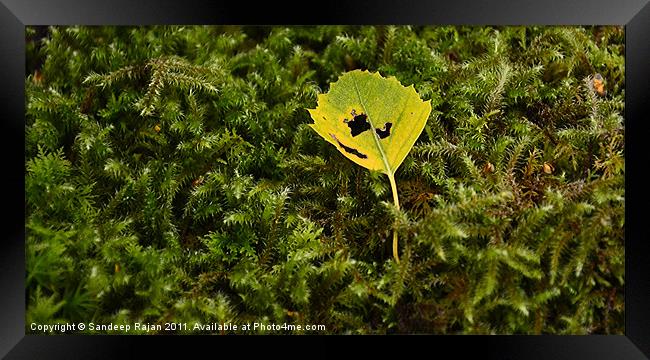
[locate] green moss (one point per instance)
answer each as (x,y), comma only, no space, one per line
(171,177)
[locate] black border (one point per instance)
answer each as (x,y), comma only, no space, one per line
(16,14)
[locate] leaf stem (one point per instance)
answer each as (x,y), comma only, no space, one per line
(393,187)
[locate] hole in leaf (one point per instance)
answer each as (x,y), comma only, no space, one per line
(350,150)
(383,133)
(358,124)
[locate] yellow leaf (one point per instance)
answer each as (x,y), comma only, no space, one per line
(372,120)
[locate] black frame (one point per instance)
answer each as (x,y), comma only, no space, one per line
(634,14)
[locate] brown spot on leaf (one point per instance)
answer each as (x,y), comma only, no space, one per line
(350,150)
(383,133)
(358,124)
